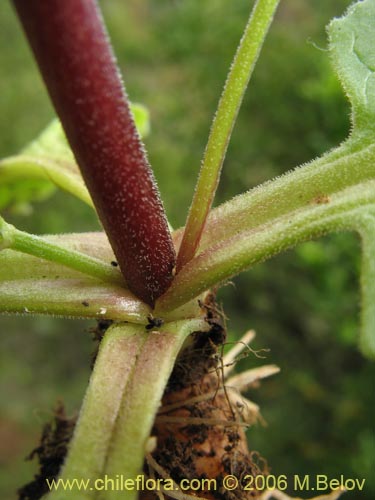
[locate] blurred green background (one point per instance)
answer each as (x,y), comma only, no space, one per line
(304,305)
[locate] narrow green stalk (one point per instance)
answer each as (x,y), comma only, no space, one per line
(230,101)
(71,298)
(13,238)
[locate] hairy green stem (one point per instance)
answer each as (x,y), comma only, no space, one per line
(366,228)
(142,398)
(88,449)
(350,164)
(13,238)
(71,298)
(224,120)
(237,253)
(124,394)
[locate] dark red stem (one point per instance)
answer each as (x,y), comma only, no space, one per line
(72,49)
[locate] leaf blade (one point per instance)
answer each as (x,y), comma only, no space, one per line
(47,158)
(352,41)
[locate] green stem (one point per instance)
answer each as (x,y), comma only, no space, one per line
(366,229)
(235,254)
(229,104)
(124,394)
(13,238)
(92,437)
(141,401)
(300,188)
(72,298)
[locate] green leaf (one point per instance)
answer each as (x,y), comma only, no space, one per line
(33,285)
(51,143)
(352,48)
(334,192)
(113,368)
(16,195)
(47,160)
(141,399)
(16,265)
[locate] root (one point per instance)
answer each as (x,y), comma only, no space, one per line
(200,426)
(230,359)
(177,494)
(199,421)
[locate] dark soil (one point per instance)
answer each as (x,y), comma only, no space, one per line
(50,454)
